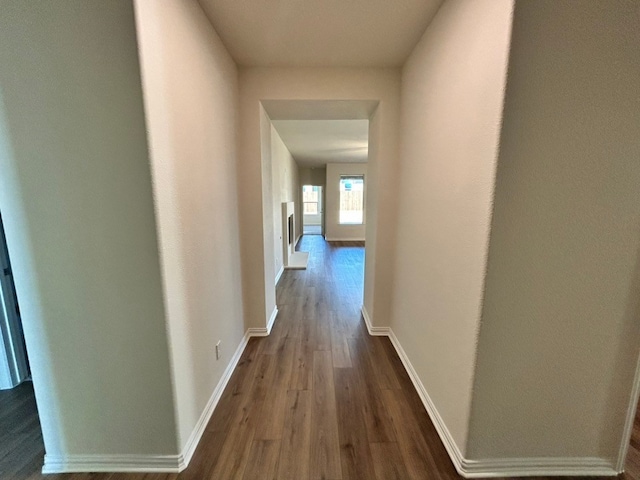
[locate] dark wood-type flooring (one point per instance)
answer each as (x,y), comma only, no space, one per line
(21,447)
(317,399)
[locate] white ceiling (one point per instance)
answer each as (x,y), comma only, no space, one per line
(314,143)
(342,33)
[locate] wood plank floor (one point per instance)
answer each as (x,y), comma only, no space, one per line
(21,447)
(317,399)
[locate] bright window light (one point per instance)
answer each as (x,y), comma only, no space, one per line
(310,200)
(351,200)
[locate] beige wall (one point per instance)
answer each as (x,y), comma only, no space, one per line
(452,93)
(560,332)
(285,183)
(313,176)
(76,199)
(364,84)
(333,229)
(191,94)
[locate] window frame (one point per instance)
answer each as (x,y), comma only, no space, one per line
(358,176)
(316,203)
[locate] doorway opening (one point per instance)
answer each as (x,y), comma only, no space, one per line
(306,147)
(312,211)
(21,436)
(14,366)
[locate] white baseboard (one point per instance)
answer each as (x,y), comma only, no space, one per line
(505,467)
(272,319)
(631,416)
(264,331)
(344,239)
(196,435)
(150,463)
(279,274)
(445,436)
(538,467)
(257,332)
(374,331)
(499,467)
(110,463)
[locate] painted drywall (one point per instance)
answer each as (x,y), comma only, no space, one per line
(314,143)
(285,184)
(76,200)
(191,98)
(560,334)
(307,86)
(333,229)
(313,176)
(339,34)
(452,95)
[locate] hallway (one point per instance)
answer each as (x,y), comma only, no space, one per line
(319,398)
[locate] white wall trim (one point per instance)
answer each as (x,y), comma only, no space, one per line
(257,332)
(631,415)
(196,434)
(279,274)
(497,467)
(264,331)
(111,463)
(374,331)
(344,239)
(540,466)
(155,463)
(272,319)
(500,467)
(445,436)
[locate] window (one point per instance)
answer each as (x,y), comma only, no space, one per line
(310,199)
(352,199)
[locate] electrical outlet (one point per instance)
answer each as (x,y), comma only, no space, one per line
(218,351)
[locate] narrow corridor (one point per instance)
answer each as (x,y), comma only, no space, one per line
(318,399)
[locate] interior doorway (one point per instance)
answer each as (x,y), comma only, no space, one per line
(20,432)
(300,141)
(312,210)
(14,366)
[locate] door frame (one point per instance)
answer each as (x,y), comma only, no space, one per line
(320,205)
(631,416)
(14,366)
